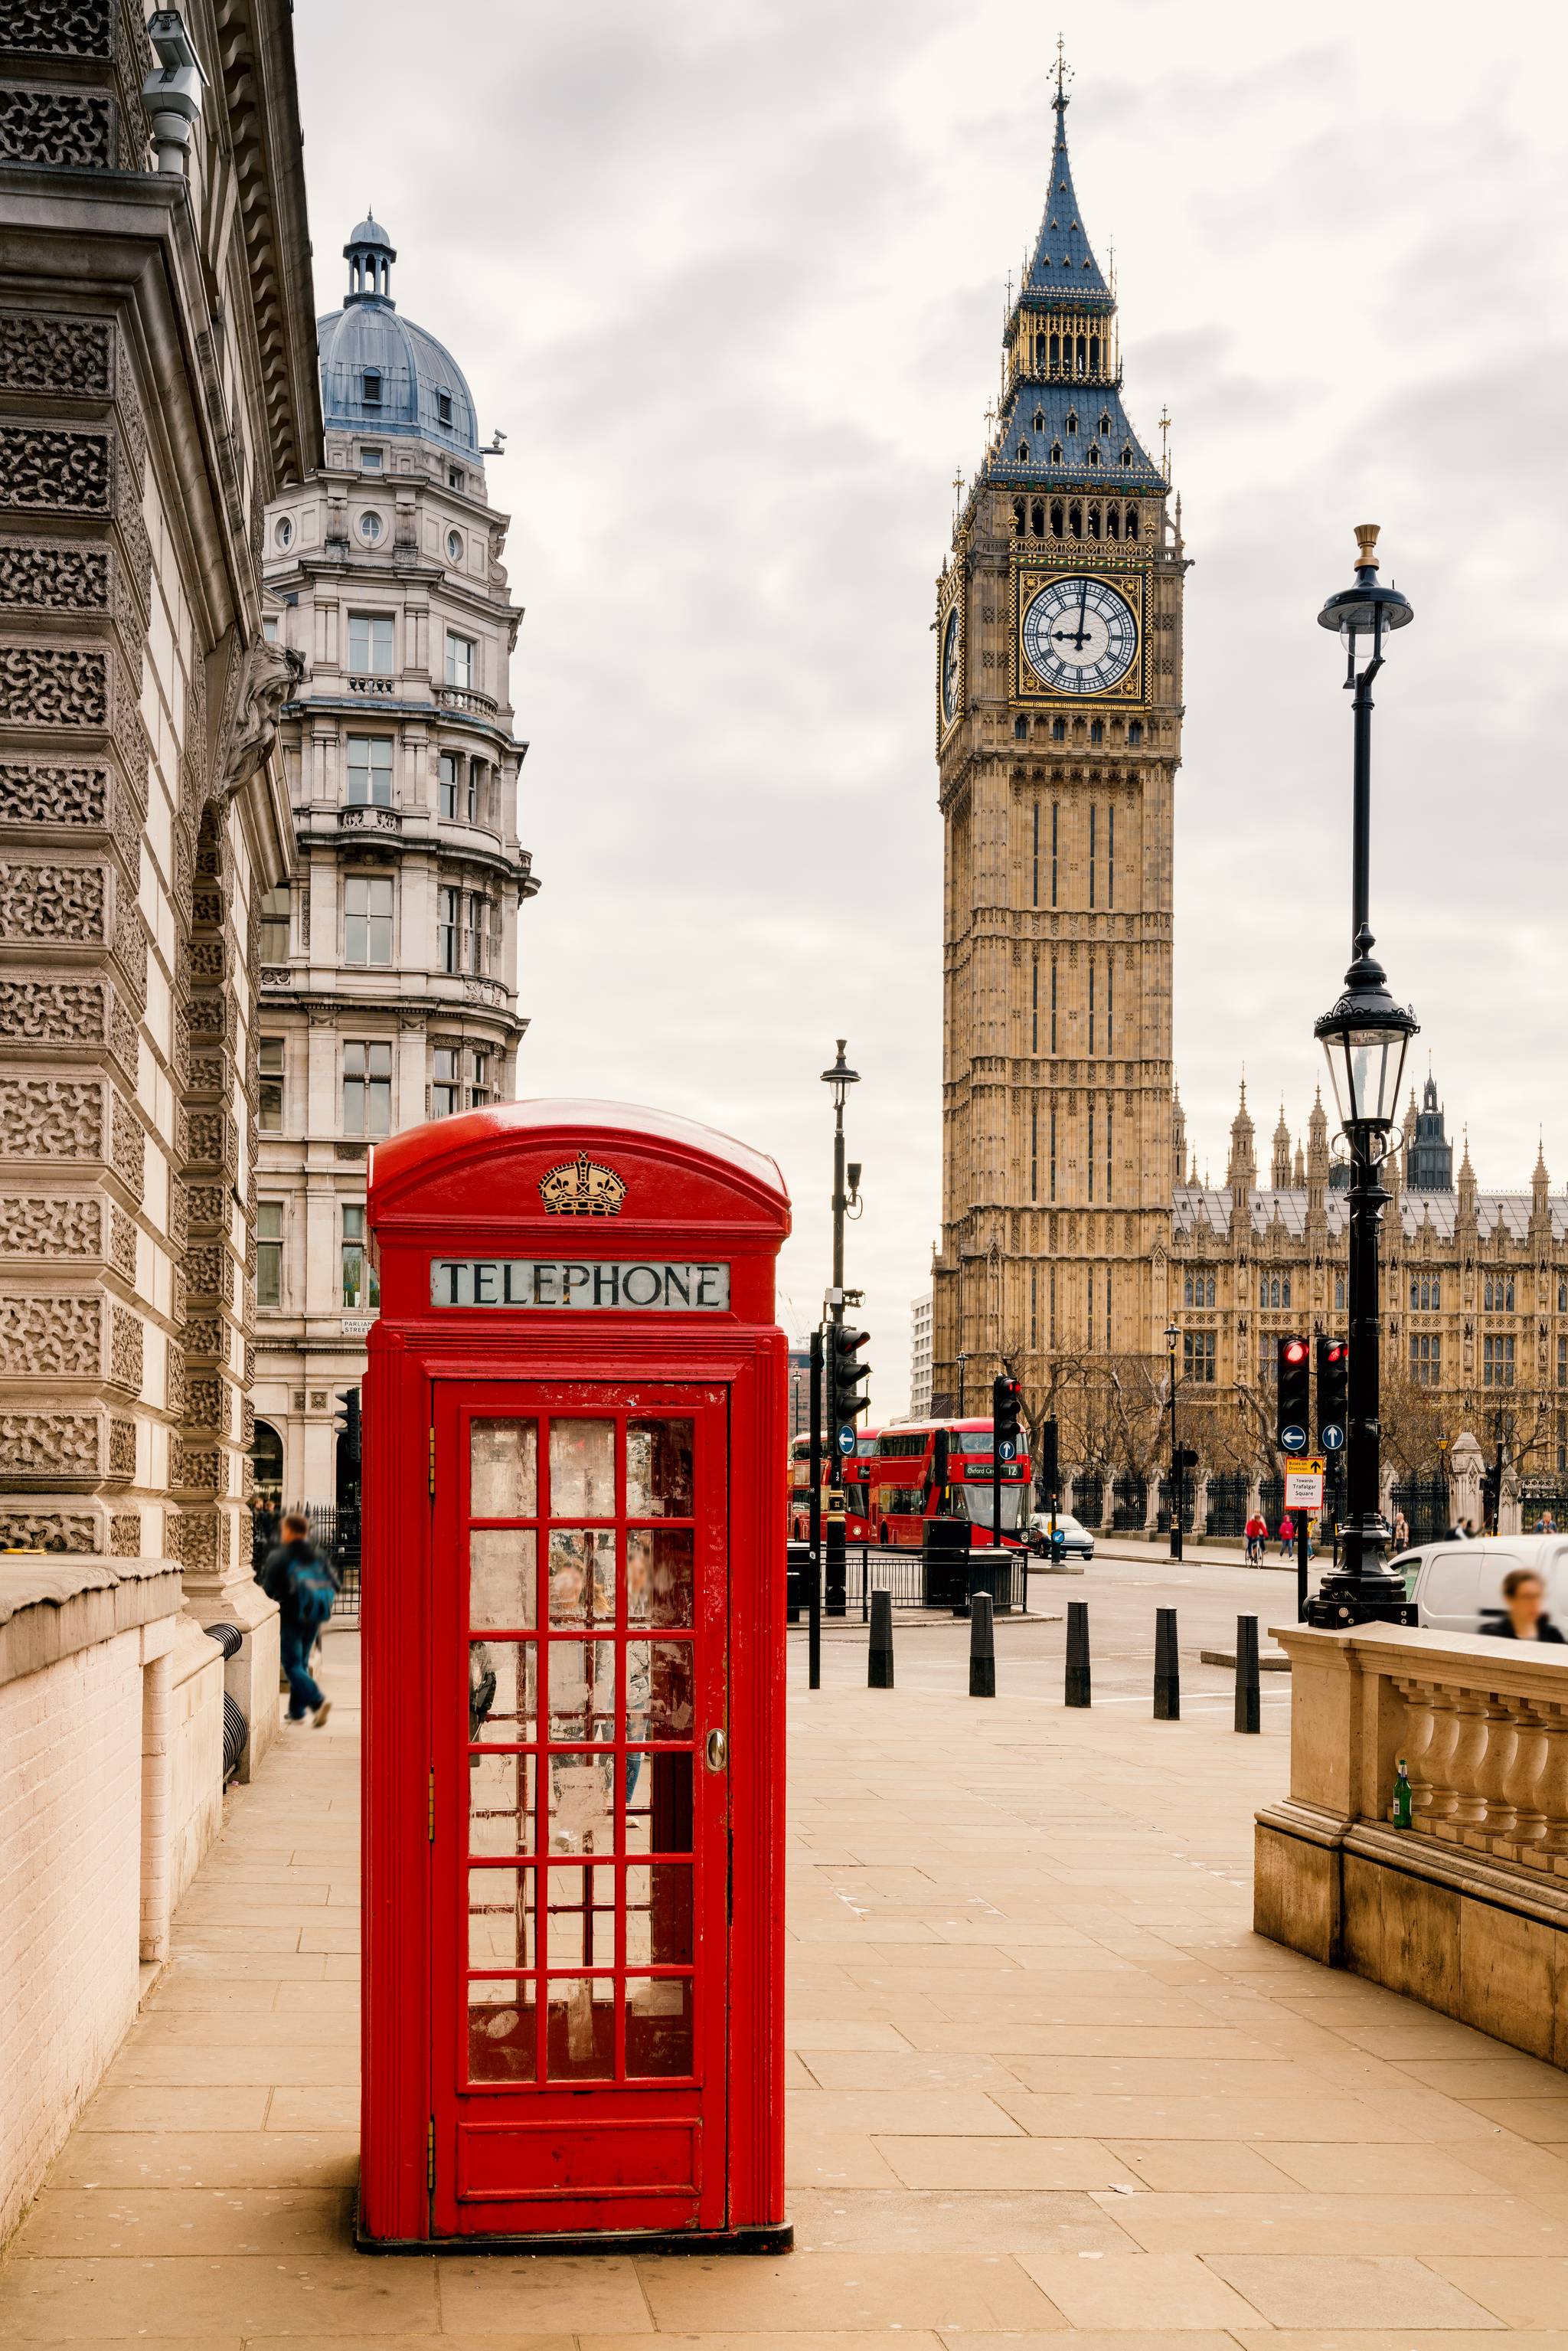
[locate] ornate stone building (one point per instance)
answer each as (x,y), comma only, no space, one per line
(389,964)
(1074,1230)
(158,389)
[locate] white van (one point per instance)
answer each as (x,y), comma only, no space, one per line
(1452,1583)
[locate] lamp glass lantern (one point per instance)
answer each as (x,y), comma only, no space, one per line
(1365,1054)
(841,1077)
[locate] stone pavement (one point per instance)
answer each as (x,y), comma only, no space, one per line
(1043,2079)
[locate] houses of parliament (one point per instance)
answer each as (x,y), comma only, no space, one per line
(1075,1234)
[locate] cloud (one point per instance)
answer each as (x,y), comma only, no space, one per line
(732,279)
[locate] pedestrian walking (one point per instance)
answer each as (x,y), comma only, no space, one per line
(1401,1531)
(1286,1537)
(1257,1537)
(305,1586)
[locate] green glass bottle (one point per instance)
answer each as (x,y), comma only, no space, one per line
(1401,1795)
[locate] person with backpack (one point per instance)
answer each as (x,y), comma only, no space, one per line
(304,1588)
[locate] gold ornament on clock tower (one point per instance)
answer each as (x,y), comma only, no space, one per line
(1058,735)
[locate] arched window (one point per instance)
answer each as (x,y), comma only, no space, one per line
(1285,1291)
(1211,1290)
(1082,353)
(1126,455)
(1094,522)
(1058,730)
(1274,1291)
(1105,420)
(1056,518)
(1135,731)
(1075,520)
(1039,351)
(1112,517)
(1131,522)
(1096,730)
(1072,420)
(1186,1291)
(1095,453)
(267,1466)
(1094,354)
(1020,729)
(1037,518)
(1056,350)
(1023,453)
(1056,453)
(1339,1290)
(1018,518)
(1040,420)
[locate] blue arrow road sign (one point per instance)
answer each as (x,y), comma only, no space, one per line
(1294,1440)
(1006,1450)
(1333,1437)
(846,1438)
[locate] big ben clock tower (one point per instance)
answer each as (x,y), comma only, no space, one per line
(1058,735)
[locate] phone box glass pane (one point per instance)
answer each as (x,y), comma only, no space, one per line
(503,1693)
(660,1579)
(579,2029)
(659,1469)
(583,1470)
(581,1577)
(500,1803)
(658,1803)
(659,1696)
(583,1689)
(502,1578)
(659,2025)
(501,1924)
(659,1915)
(581,1793)
(502,2032)
(580,1924)
(503,1470)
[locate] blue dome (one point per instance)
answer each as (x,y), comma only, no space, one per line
(381,374)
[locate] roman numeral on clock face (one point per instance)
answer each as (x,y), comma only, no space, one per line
(1078,635)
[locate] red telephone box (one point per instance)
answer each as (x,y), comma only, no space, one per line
(575,1437)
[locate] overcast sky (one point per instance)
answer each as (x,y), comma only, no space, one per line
(729,274)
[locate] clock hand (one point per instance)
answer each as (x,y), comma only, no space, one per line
(1082,611)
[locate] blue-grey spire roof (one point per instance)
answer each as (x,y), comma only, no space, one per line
(381,374)
(1063,260)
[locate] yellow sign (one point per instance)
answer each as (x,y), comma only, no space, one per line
(1304,1481)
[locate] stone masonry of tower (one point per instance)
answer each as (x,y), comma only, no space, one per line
(1074,1230)
(1059,736)
(388,968)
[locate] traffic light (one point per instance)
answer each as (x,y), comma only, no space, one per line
(845,1401)
(347,1424)
(1007,1418)
(1048,1476)
(1185,1458)
(1295,1380)
(1334,1392)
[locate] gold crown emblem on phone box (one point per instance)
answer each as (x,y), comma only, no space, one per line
(579,1188)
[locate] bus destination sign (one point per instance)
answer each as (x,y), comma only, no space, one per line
(647,1286)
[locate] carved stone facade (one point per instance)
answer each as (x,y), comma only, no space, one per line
(389,980)
(157,385)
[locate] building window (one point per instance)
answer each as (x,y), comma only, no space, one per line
(269,629)
(446,1080)
(1498,1293)
(370,771)
(1562,1440)
(273,943)
(455,478)
(367,919)
(451,778)
(1426,1293)
(1197,1289)
(1426,1359)
(1497,1361)
(1273,1291)
(473,932)
(370,387)
(1268,1362)
(269,1252)
(1021,731)
(460,663)
(367,1087)
(443,408)
(455,546)
(1198,1357)
(371,645)
(1134,733)
(269,1067)
(448,927)
(370,460)
(361,1284)
(370,529)
(1563,1298)
(283,533)
(1058,730)
(1339,1290)
(1562,1363)
(479,1090)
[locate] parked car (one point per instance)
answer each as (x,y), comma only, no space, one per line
(1452,1583)
(1071,1540)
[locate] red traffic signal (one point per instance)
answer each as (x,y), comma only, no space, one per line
(1293,1350)
(1294,1372)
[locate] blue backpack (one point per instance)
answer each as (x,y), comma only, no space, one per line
(311,1591)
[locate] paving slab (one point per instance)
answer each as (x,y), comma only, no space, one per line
(1046,2085)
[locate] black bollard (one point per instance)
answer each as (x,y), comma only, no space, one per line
(982,1647)
(879,1657)
(1167,1671)
(1078,1653)
(1248,1703)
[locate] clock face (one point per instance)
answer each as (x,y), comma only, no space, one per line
(1080,636)
(950,668)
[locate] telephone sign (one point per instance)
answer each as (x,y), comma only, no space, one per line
(575,1433)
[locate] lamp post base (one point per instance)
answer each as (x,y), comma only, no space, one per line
(1362,1590)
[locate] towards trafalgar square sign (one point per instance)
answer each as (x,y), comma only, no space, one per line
(577,1281)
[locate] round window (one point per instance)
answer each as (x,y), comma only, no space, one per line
(284,534)
(455,546)
(370,529)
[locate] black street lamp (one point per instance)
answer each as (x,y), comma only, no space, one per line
(1172,1335)
(840,1078)
(1365,1039)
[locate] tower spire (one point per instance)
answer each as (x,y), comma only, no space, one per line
(1064,259)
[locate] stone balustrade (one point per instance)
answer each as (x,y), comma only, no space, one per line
(1467,1908)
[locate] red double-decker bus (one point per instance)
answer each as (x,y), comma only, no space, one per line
(853,1475)
(928,1469)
